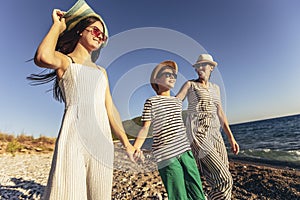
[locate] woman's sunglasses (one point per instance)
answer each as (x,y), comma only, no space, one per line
(198,65)
(95,31)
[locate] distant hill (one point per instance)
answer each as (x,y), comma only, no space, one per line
(133,126)
(25,143)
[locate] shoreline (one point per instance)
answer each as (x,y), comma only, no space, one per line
(250,160)
(265,162)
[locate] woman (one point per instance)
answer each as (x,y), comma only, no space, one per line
(204,120)
(82,166)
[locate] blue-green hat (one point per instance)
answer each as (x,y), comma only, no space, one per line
(79,11)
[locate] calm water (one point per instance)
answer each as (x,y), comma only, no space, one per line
(276,139)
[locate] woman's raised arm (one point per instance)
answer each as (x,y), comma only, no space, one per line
(46,56)
(183,91)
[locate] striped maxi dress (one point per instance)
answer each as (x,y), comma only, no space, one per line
(203,128)
(82,165)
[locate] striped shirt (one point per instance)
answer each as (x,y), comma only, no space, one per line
(169,133)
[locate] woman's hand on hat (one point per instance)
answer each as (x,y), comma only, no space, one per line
(57,17)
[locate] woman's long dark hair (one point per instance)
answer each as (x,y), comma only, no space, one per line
(66,44)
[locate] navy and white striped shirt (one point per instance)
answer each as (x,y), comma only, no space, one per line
(169,132)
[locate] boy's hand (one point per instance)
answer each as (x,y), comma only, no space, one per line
(138,155)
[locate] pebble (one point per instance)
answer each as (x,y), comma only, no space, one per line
(24,176)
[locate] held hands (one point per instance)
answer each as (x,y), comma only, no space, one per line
(57,17)
(138,155)
(134,154)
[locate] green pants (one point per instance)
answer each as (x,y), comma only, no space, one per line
(181,177)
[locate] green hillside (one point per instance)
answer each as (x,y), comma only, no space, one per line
(133,126)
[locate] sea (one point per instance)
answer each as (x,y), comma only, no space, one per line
(273,141)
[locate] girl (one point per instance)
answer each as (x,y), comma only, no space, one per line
(82,165)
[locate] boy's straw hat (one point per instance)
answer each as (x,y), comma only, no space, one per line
(158,68)
(205,58)
(79,11)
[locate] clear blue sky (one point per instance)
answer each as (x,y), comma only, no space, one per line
(256,44)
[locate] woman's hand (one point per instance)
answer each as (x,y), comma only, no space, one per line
(234,146)
(57,17)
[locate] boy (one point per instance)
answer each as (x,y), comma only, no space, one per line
(176,164)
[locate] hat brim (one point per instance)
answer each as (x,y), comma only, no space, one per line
(158,68)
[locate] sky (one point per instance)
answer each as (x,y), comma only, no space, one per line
(256,44)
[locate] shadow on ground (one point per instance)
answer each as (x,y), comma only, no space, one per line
(21,189)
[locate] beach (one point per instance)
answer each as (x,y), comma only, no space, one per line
(24,176)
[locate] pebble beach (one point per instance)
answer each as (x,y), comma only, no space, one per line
(24,176)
